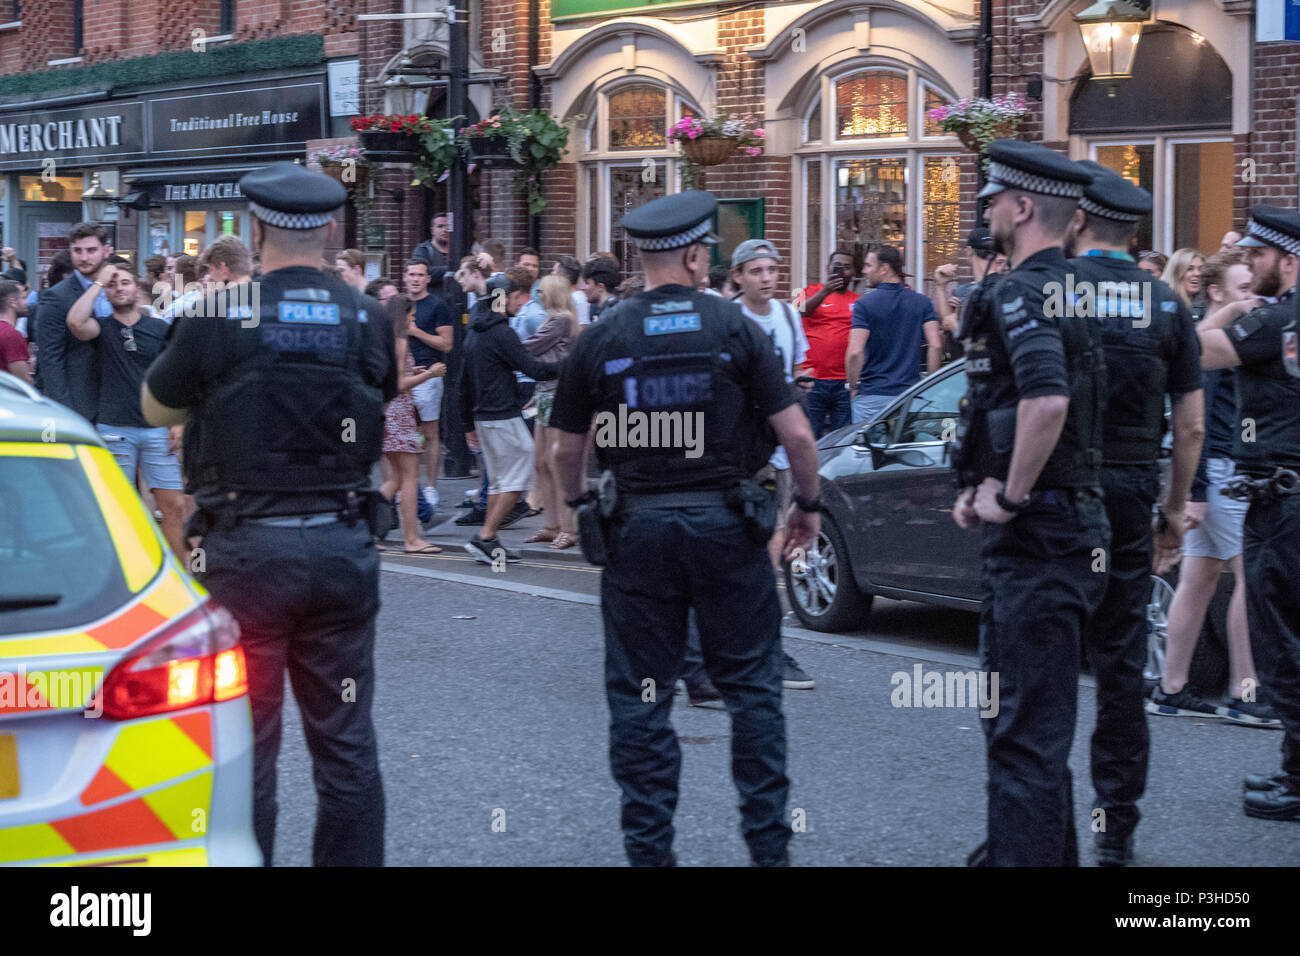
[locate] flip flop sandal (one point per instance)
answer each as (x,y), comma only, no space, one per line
(563,540)
(546,534)
(532,512)
(427,549)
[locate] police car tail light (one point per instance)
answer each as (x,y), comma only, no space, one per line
(194,660)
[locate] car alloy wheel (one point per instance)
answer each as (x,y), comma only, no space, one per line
(1157,627)
(813,576)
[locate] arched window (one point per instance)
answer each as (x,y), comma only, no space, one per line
(628,161)
(877,170)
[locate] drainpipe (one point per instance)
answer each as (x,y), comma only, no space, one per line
(534,100)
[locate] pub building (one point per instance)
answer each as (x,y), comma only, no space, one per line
(165,162)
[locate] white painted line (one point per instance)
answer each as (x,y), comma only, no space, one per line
(868,644)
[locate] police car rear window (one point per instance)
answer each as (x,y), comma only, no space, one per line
(58,566)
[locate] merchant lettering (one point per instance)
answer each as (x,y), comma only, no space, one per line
(651,430)
(232,121)
(62,135)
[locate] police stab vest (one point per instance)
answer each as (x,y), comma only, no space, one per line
(1135,313)
(681,416)
(295,410)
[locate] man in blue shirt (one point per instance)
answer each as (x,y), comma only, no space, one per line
(885,336)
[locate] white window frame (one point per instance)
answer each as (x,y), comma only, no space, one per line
(913,147)
(1162,195)
(599,155)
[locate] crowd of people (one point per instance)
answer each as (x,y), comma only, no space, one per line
(850,343)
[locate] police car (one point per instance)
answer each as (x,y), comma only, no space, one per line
(125,730)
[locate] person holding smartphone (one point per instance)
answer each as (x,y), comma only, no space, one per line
(827,310)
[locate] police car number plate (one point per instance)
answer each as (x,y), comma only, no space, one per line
(9,784)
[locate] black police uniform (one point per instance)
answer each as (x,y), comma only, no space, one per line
(1039,586)
(1267,341)
(675,544)
(286,420)
(1151,351)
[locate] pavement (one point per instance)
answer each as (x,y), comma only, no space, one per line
(493,732)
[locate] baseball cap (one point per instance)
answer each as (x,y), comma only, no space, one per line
(753,249)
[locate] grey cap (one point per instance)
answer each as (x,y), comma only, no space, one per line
(753,249)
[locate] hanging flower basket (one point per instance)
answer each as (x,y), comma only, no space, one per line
(355,178)
(490,152)
(710,150)
(382,146)
(968,138)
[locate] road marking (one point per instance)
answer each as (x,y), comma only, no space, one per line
(868,644)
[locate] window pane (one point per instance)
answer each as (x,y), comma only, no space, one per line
(637,118)
(1137,164)
(1202,195)
(813,197)
(196,231)
(228,222)
(593,209)
(871,105)
(934,411)
(933,98)
(813,133)
(58,189)
(627,191)
(871,204)
(941,206)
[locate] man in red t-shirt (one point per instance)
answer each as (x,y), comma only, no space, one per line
(827,313)
(14,356)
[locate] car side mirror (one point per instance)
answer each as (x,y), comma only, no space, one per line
(862,440)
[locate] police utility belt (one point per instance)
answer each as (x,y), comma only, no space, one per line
(369,506)
(598,508)
(1282,483)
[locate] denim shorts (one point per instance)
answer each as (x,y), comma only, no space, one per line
(1219,535)
(145,448)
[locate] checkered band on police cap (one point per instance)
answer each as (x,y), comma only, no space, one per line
(1013,178)
(1274,237)
(289,220)
(1097,209)
(677,239)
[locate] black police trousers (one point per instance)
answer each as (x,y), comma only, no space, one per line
(663,562)
(1116,644)
(1040,587)
(1272,557)
(306,601)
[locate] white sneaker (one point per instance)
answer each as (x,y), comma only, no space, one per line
(431,496)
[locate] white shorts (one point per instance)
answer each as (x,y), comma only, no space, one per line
(508,454)
(428,399)
(1219,535)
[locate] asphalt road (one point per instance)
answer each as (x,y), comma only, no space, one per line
(491,709)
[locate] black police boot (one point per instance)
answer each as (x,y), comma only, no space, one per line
(1281,803)
(1263,781)
(1113,849)
(701,691)
(782,860)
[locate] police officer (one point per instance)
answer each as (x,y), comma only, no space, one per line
(1028,462)
(1263,344)
(690,529)
(1151,352)
(282,393)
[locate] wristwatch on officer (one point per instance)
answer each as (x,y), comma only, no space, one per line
(1013,507)
(810,505)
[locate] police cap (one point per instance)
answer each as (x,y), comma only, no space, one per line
(1111,196)
(1273,226)
(1033,168)
(289,196)
(672,222)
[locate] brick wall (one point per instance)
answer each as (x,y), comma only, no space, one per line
(1271,143)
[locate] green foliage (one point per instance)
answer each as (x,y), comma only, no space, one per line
(218,60)
(534,140)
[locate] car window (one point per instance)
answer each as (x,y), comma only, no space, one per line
(932,414)
(58,565)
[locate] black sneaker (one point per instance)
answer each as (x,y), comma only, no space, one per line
(473,516)
(518,512)
(1253,713)
(1112,850)
(701,691)
(794,677)
(484,552)
(1182,704)
(1264,781)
